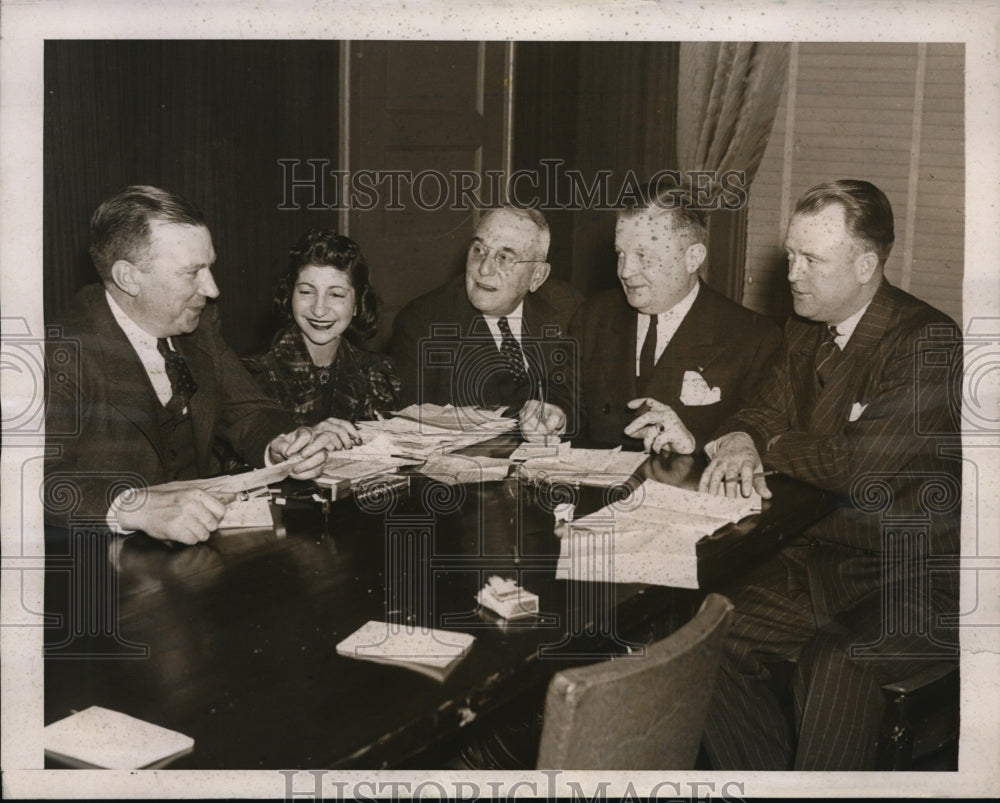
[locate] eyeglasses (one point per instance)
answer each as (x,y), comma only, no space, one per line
(504,260)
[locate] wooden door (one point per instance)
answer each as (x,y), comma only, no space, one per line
(426,119)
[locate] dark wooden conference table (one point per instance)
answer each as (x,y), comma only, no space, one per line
(232,641)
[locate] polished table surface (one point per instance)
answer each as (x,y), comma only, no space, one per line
(233,641)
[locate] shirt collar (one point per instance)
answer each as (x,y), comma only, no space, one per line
(137,336)
(682,307)
(515,314)
(846,327)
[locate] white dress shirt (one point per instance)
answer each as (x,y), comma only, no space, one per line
(145,347)
(846,328)
(514,321)
(667,324)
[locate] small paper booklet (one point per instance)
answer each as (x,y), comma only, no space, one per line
(104,739)
(432,652)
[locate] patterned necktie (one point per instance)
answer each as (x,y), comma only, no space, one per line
(647,356)
(182,384)
(510,351)
(826,355)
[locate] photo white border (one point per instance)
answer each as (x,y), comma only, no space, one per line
(25,26)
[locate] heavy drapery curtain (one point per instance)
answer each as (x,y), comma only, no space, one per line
(728,93)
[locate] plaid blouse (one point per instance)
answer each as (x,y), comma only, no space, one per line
(360,382)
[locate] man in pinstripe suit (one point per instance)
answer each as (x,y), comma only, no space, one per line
(859,404)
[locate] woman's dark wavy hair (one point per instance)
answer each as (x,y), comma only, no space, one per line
(326,248)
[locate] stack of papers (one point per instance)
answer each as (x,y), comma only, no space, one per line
(247,482)
(370,459)
(563,463)
(432,652)
(99,737)
(459,419)
(648,537)
(251,507)
(420,431)
(458,469)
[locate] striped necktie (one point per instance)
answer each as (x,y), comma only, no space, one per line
(182,384)
(827,355)
(510,351)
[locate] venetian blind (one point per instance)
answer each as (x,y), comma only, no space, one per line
(889,113)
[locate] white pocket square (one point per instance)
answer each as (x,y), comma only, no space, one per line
(695,391)
(856,411)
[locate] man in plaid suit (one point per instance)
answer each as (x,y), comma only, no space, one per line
(860,404)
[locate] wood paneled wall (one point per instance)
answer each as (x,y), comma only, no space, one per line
(206,119)
(596,106)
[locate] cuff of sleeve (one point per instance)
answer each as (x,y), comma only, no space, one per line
(112,517)
(733,439)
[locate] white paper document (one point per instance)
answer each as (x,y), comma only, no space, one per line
(429,651)
(648,537)
(563,463)
(234,483)
(459,419)
(453,469)
(99,737)
(419,431)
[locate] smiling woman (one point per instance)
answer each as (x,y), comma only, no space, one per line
(316,366)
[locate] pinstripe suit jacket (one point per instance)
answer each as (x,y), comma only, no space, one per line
(101,416)
(883,437)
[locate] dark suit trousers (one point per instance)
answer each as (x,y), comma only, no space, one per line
(838,701)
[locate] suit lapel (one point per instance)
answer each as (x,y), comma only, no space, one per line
(623,345)
(690,349)
(202,403)
(802,370)
(844,386)
(129,390)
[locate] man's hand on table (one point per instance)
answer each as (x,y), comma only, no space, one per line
(541,423)
(659,427)
(307,448)
(187,516)
(736,468)
(343,434)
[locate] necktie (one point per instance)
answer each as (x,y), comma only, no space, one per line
(510,351)
(647,356)
(182,384)
(826,356)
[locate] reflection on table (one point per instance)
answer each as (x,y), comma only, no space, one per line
(233,641)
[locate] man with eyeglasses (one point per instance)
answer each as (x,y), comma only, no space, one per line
(487,338)
(664,362)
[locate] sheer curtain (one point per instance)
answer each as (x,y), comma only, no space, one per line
(728,94)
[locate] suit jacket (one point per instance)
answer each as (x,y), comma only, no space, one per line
(101,417)
(446,354)
(884,437)
(728,346)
